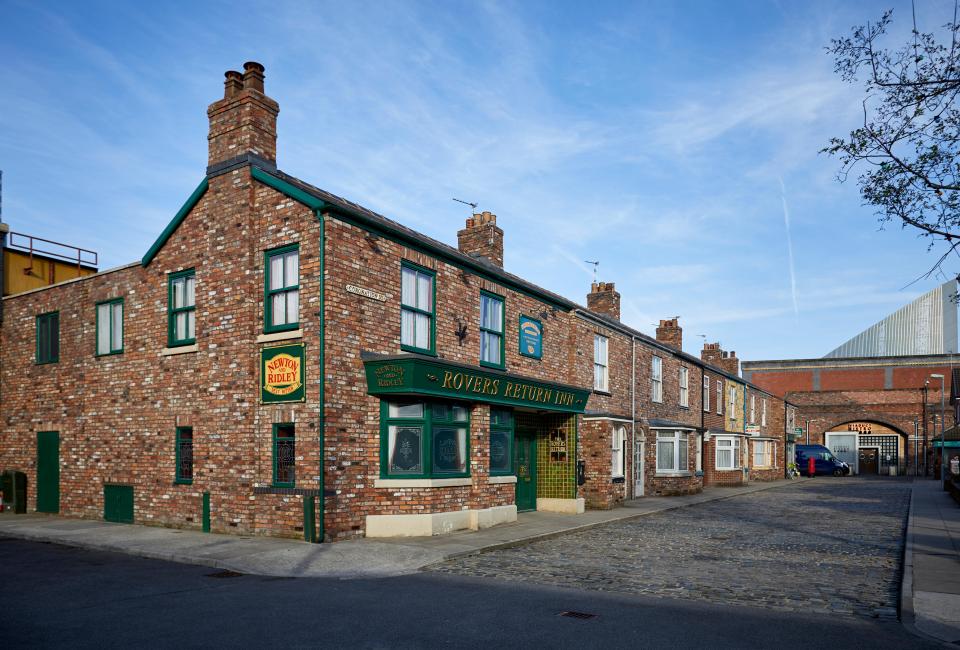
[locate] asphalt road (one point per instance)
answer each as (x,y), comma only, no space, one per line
(61,596)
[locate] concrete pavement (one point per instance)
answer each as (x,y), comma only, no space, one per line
(931,578)
(347,559)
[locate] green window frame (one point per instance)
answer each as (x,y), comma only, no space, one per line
(424,439)
(491,338)
(284,454)
(281,289)
(181,308)
(501,442)
(418,306)
(109,329)
(184,456)
(48,338)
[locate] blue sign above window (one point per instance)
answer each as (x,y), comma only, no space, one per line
(531,337)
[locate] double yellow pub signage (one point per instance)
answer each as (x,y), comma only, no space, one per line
(282,374)
(414,375)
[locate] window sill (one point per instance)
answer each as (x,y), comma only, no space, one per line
(409,348)
(108,354)
(493,366)
(502,479)
(672,474)
(618,479)
(597,391)
(422,482)
(280,336)
(182,482)
(183,349)
(728,469)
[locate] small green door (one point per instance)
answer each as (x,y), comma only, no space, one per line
(118,503)
(48,471)
(526,464)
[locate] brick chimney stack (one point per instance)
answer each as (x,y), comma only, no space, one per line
(482,238)
(245,120)
(670,333)
(603,298)
(715,356)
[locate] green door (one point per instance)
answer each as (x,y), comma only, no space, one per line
(48,471)
(526,464)
(118,503)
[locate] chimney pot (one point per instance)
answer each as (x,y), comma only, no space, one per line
(233,83)
(253,76)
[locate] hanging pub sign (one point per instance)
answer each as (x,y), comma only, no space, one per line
(531,337)
(282,376)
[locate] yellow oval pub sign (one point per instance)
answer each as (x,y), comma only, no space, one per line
(282,374)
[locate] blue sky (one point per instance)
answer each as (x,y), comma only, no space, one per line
(672,141)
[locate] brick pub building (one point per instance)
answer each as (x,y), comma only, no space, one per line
(286,362)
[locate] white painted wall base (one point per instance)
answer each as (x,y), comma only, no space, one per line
(438,523)
(566,506)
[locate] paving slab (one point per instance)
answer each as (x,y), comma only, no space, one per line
(346,559)
(930,595)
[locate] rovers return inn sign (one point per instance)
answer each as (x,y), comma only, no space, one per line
(282,374)
(415,375)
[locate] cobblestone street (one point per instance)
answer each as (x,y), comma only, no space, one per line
(828,545)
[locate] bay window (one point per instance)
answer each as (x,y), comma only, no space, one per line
(728,452)
(424,440)
(672,451)
(763,453)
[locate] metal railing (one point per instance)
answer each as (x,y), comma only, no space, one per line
(53,249)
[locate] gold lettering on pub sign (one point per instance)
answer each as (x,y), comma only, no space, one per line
(282,375)
(520,391)
(391,375)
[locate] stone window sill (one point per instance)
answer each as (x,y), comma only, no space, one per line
(672,474)
(421,482)
(280,336)
(181,349)
(502,479)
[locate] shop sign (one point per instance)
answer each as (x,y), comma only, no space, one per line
(428,377)
(282,376)
(798,431)
(752,429)
(531,337)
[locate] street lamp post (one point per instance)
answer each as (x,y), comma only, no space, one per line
(943,457)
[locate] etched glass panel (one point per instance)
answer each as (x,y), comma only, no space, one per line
(449,450)
(405,450)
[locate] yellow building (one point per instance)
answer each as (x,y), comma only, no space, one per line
(33,262)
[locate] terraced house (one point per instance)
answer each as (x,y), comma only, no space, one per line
(286,362)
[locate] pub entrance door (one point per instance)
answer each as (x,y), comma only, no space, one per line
(869,458)
(526,464)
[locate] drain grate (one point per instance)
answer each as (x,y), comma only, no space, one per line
(224,574)
(580,615)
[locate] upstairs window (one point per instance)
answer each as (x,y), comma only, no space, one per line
(732,408)
(110,327)
(48,338)
(282,296)
(684,387)
(706,394)
(763,412)
(656,379)
(181,308)
(618,451)
(417,293)
(753,409)
(719,397)
(491,330)
(601,372)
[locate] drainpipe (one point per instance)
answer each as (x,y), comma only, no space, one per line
(633,414)
(321,530)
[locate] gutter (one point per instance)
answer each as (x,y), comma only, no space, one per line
(633,418)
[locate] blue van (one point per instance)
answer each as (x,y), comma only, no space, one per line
(826,464)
